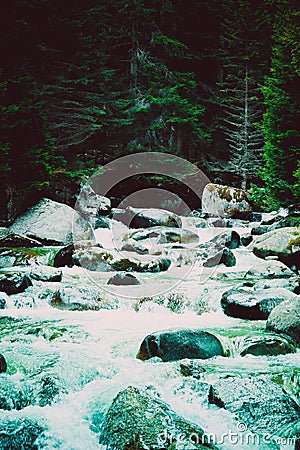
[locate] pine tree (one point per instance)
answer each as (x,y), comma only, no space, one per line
(243,48)
(281,119)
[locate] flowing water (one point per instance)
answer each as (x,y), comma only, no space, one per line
(65,367)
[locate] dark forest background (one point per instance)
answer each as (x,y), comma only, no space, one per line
(86,81)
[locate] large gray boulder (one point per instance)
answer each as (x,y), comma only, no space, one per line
(172,345)
(137,420)
(225,201)
(246,303)
(262,406)
(283,243)
(51,223)
(285,318)
(269,269)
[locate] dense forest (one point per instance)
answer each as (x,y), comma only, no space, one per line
(84,82)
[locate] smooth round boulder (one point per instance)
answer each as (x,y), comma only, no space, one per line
(246,303)
(173,345)
(285,318)
(124,279)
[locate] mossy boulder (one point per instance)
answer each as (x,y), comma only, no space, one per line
(225,201)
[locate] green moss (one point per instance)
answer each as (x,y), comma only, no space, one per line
(293,242)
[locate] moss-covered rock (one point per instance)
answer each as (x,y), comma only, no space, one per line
(225,201)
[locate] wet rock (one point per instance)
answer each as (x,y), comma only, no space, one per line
(227,201)
(20,434)
(269,269)
(14,282)
(285,318)
(224,256)
(51,223)
(3,365)
(164,235)
(64,257)
(138,420)
(15,394)
(269,344)
(102,222)
(229,238)
(133,246)
(147,217)
(192,368)
(246,303)
(3,300)
(172,345)
(45,273)
(127,265)
(124,279)
(17,241)
(283,243)
(48,391)
(87,254)
(263,406)
(246,239)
